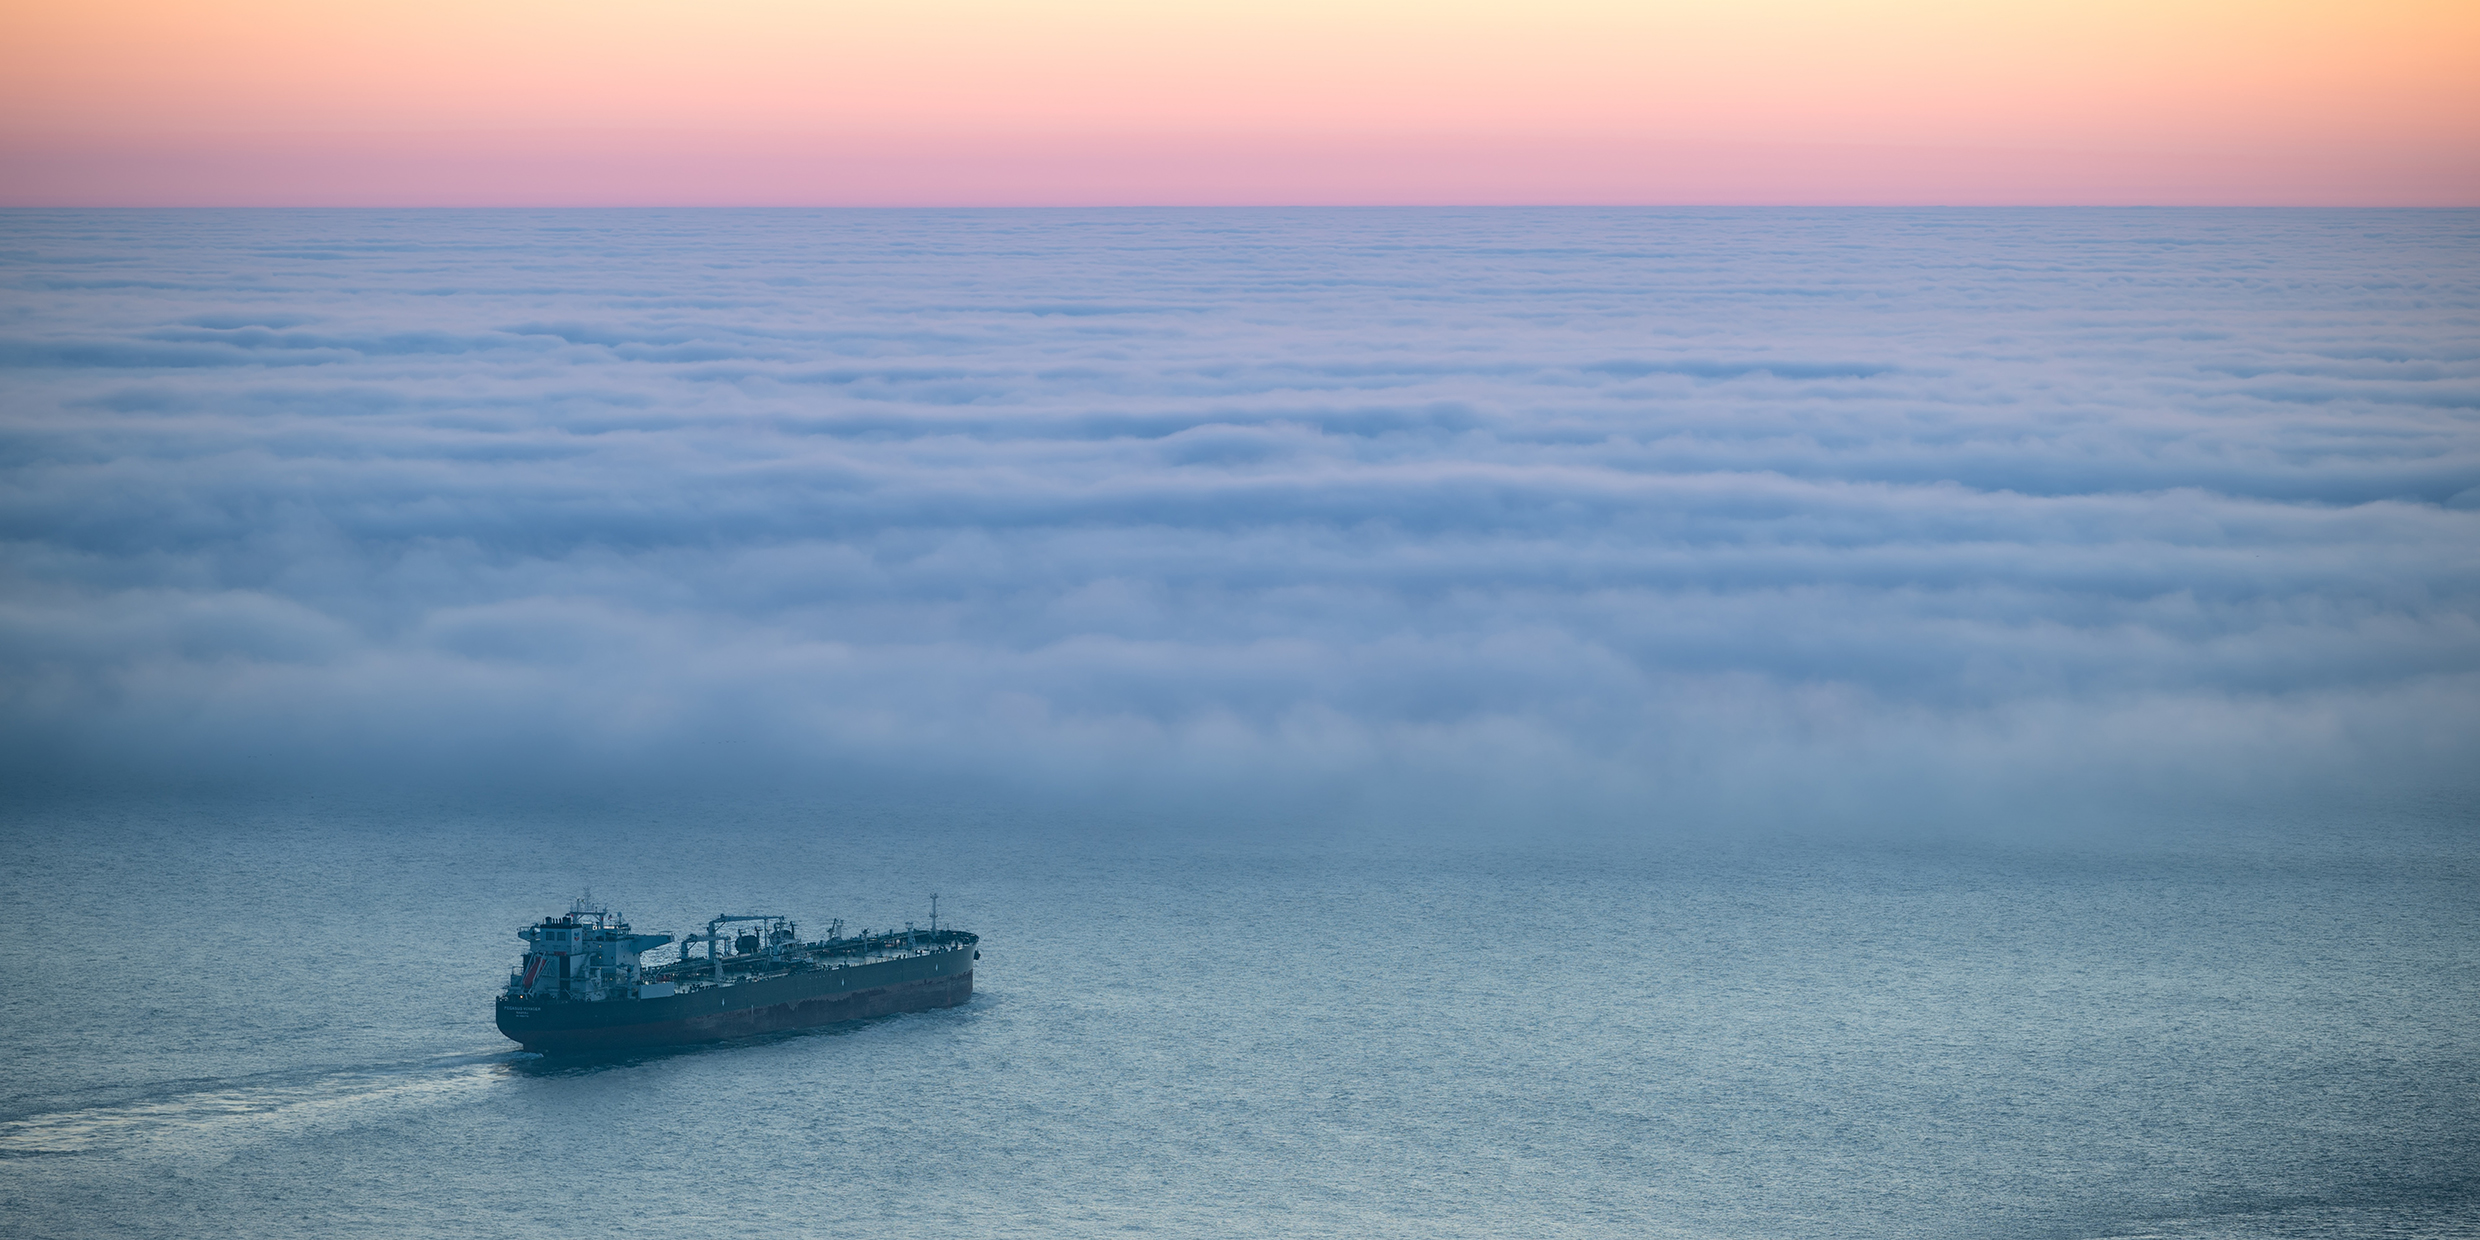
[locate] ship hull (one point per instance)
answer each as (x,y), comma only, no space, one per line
(800,1000)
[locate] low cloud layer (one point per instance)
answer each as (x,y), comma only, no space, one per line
(1695,515)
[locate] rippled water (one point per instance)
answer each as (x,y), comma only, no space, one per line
(275,1022)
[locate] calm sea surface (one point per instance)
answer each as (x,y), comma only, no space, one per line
(277,1023)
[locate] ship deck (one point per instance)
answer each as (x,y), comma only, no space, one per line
(698,973)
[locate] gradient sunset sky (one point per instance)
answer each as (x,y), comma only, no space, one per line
(995,102)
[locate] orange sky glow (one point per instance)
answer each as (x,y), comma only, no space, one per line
(1073,102)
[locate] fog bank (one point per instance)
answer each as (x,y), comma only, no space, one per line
(1866,516)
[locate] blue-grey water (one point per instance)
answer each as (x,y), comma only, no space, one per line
(271,1022)
(1453,723)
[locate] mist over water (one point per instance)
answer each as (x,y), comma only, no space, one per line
(1874,516)
(1450,723)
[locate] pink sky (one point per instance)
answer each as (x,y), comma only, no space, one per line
(1076,102)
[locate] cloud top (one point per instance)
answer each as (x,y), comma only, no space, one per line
(1872,514)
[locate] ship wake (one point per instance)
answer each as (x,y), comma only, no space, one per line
(192,1115)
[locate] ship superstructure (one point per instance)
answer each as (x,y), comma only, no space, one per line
(583,985)
(588,955)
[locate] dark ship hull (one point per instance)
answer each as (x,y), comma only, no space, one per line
(800,999)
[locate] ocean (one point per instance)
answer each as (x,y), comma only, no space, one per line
(243,1021)
(1718,723)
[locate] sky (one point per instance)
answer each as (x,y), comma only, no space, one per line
(1695,517)
(1114,102)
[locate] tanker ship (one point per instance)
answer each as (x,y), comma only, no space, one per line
(582,986)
